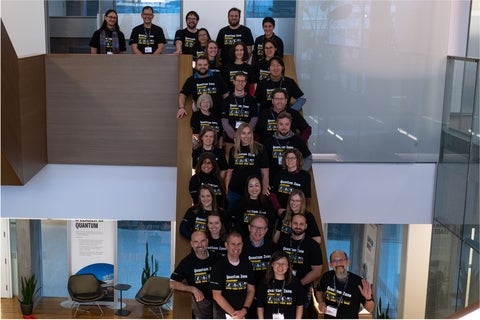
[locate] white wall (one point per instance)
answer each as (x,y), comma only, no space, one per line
(100,192)
(24,21)
(375,193)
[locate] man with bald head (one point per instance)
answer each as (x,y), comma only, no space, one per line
(195,268)
(340,292)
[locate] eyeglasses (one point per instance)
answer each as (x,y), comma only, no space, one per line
(338,261)
(241,81)
(295,200)
(291,158)
(258,228)
(279,264)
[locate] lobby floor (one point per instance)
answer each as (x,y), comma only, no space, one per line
(51,308)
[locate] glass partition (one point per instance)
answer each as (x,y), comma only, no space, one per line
(454,261)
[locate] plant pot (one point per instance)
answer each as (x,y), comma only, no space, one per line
(26,309)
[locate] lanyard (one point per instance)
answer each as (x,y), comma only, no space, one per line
(339,301)
(147,33)
(281,294)
(295,255)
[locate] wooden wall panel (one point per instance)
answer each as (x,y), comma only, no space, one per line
(23,115)
(112,110)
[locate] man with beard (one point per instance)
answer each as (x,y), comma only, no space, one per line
(267,120)
(340,292)
(203,81)
(234,32)
(232,281)
(185,38)
(147,38)
(282,140)
(305,255)
(195,269)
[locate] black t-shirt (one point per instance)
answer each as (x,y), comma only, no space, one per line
(212,84)
(195,219)
(198,121)
(95,41)
(267,123)
(217,152)
(229,70)
(217,246)
(312,227)
(227,37)
(144,37)
(285,182)
(232,280)
(278,297)
(277,145)
(259,256)
(188,40)
(237,110)
(346,293)
(258,47)
(261,70)
(197,272)
(245,164)
(245,211)
(266,86)
(303,254)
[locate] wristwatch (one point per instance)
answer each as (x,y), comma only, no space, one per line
(371,299)
(246,308)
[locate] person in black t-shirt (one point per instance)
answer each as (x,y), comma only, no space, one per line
(200,46)
(195,269)
(305,255)
(280,295)
(108,39)
(202,81)
(232,33)
(185,38)
(268,25)
(239,57)
(232,281)
(204,117)
(207,142)
(296,205)
(261,67)
(207,172)
(277,79)
(147,38)
(238,107)
(340,292)
(217,229)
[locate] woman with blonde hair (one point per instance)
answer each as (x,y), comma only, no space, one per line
(246,158)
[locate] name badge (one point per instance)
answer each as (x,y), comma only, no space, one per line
(278,316)
(294,272)
(237,124)
(148,50)
(280,160)
(332,311)
(109,52)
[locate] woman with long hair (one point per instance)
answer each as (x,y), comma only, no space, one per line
(207,172)
(213,56)
(254,203)
(239,56)
(207,142)
(195,219)
(108,39)
(280,296)
(246,158)
(216,232)
(200,46)
(291,177)
(296,205)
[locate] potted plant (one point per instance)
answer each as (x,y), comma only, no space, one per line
(28,290)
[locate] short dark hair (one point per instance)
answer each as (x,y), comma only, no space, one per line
(280,90)
(268,19)
(148,8)
(189,13)
(235,9)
